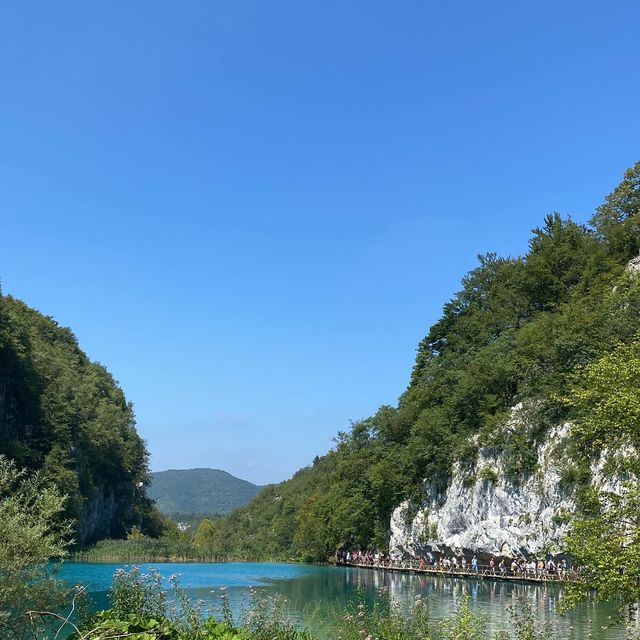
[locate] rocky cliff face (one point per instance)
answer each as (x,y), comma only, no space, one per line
(634,266)
(483,511)
(105,512)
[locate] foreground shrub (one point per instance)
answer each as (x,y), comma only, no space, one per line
(144,609)
(31,533)
(384,620)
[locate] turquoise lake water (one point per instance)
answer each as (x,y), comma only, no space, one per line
(317,594)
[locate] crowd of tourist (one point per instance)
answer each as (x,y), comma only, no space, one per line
(542,569)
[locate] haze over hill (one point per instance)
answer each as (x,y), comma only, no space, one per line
(200,491)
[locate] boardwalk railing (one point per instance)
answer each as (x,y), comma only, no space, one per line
(481,571)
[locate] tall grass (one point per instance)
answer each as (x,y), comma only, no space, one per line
(147,550)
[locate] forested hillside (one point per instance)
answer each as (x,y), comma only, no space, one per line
(199,491)
(65,415)
(519,330)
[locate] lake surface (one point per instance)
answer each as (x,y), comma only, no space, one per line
(317,595)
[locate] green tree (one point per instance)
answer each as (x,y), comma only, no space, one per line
(205,536)
(605,537)
(513,333)
(618,219)
(66,416)
(32,533)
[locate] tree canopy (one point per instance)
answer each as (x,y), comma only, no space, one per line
(515,332)
(65,415)
(605,535)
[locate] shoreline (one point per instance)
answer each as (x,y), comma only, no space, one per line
(468,574)
(82,558)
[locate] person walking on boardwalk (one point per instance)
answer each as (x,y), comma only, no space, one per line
(531,568)
(562,569)
(474,563)
(551,568)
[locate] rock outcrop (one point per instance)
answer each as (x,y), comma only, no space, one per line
(482,511)
(634,266)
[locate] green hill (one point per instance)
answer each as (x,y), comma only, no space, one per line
(199,491)
(519,330)
(64,415)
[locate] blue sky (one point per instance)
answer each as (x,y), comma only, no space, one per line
(251,212)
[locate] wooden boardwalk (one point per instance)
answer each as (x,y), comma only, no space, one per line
(483,573)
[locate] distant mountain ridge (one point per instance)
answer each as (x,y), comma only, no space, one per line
(200,491)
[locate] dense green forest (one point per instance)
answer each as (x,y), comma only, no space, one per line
(518,330)
(64,415)
(199,491)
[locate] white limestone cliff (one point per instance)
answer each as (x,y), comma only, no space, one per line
(633,267)
(482,511)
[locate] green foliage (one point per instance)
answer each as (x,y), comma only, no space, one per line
(266,618)
(146,549)
(525,625)
(190,521)
(487,474)
(140,604)
(143,610)
(618,219)
(515,332)
(606,402)
(65,415)
(384,620)
(206,535)
(464,624)
(605,536)
(199,491)
(32,532)
(607,546)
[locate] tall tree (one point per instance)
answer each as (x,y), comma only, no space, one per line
(605,535)
(618,219)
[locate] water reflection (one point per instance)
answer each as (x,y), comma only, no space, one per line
(317,600)
(319,594)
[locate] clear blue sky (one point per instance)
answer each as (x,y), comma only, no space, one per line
(251,212)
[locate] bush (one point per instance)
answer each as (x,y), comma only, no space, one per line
(31,534)
(487,474)
(385,621)
(463,625)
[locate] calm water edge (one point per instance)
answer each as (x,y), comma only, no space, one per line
(317,594)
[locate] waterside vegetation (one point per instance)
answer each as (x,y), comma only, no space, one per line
(142,609)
